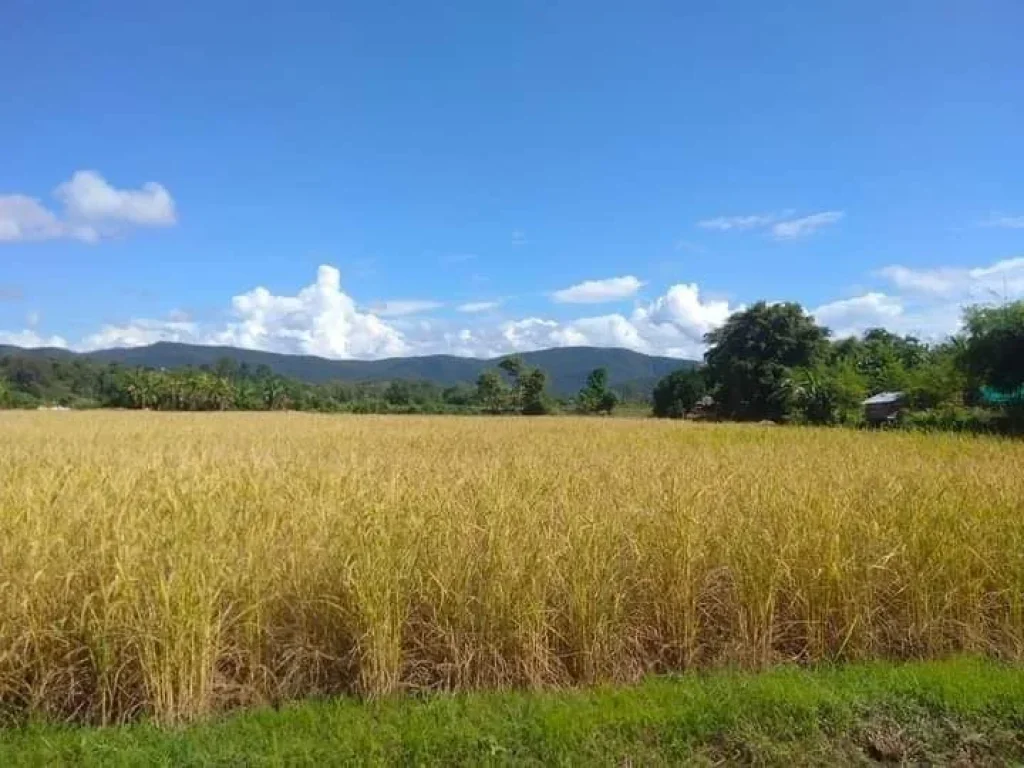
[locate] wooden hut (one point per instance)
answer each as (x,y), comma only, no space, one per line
(884,408)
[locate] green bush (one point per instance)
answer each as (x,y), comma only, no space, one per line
(954,418)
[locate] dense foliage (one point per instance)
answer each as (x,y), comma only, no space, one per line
(596,397)
(750,358)
(74,382)
(767,362)
(678,393)
(775,362)
(630,373)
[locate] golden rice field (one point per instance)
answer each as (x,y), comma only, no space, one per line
(171,565)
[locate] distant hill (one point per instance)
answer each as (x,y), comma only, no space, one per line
(567,367)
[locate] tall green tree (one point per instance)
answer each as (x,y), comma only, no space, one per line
(491,393)
(993,347)
(751,356)
(596,397)
(514,367)
(534,401)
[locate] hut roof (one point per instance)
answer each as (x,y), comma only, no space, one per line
(884,398)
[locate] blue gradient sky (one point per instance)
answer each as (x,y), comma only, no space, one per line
(481,177)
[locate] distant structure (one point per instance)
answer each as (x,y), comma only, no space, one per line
(704,408)
(993,396)
(883,408)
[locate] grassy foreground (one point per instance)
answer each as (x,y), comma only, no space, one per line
(171,566)
(963,711)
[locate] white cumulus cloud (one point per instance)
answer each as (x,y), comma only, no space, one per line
(319,320)
(88,197)
(673,324)
(29,339)
(140,332)
(850,317)
(598,291)
(1001,280)
(90,210)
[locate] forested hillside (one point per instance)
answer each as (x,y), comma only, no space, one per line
(567,368)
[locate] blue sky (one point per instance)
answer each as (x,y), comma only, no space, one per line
(371,179)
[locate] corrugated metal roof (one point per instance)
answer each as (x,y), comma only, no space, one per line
(884,398)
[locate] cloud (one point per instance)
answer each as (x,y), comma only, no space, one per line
(927,303)
(402,307)
(29,339)
(850,317)
(752,221)
(88,197)
(91,209)
(673,324)
(478,306)
(806,225)
(682,316)
(597,291)
(1001,280)
(781,225)
(319,320)
(25,219)
(1006,222)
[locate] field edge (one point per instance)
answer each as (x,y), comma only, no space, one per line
(965,709)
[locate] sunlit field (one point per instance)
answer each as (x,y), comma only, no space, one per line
(173,565)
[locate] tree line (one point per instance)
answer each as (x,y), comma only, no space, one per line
(774,362)
(29,381)
(767,362)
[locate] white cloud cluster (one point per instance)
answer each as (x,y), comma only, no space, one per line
(781,224)
(1003,280)
(673,324)
(321,319)
(598,291)
(30,339)
(91,210)
(850,317)
(141,332)
(929,302)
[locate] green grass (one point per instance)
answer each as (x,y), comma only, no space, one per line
(964,710)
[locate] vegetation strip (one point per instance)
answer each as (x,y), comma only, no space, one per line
(767,362)
(964,709)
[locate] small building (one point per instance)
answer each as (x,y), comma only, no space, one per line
(884,408)
(704,408)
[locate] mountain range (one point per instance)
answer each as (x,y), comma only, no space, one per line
(567,367)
